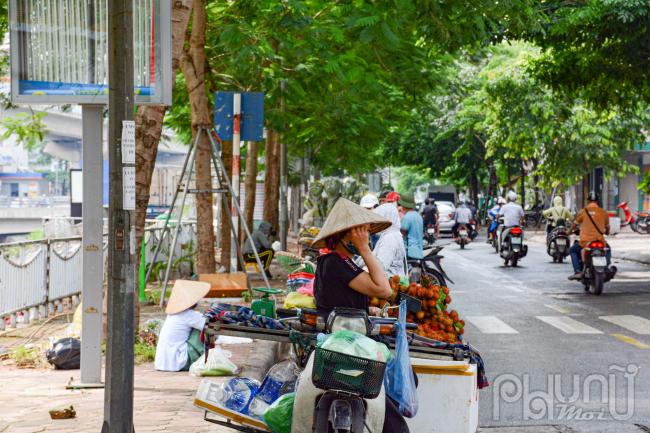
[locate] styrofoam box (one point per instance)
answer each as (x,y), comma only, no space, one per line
(447,396)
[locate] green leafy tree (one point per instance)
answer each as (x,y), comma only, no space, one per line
(596,49)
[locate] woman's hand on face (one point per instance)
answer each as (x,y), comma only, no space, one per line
(359,238)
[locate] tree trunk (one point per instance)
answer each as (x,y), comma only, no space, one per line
(193,64)
(226,156)
(272,180)
(250,184)
(148,127)
(492,183)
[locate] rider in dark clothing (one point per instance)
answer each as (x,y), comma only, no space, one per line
(430,213)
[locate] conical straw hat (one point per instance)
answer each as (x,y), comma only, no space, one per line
(185,294)
(346,215)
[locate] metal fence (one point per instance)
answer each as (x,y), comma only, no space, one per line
(35,276)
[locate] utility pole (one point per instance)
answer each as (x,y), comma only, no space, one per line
(118,395)
(284,217)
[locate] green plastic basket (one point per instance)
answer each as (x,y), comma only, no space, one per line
(342,372)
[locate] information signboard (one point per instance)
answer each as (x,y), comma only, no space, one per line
(59,51)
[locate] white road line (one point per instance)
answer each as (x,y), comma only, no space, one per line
(491,325)
(633,323)
(568,325)
(560,310)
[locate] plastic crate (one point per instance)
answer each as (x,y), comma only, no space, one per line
(342,372)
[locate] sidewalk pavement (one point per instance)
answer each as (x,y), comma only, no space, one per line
(626,245)
(162,400)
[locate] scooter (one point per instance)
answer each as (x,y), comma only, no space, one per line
(512,248)
(595,270)
(463,237)
(430,266)
(430,235)
(638,222)
(558,242)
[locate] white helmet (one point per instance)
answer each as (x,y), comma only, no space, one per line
(501,200)
(369,201)
(512,196)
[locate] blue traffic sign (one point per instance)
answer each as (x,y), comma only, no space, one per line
(252,111)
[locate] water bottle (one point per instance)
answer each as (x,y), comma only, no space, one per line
(281,379)
(238,392)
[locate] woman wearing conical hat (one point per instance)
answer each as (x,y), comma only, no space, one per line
(179,343)
(341,283)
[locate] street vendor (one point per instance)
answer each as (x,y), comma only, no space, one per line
(341,283)
(262,238)
(179,343)
(389,248)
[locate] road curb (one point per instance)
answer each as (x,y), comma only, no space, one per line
(264,355)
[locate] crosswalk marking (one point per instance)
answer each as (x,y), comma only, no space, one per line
(635,324)
(558,309)
(629,340)
(568,325)
(491,325)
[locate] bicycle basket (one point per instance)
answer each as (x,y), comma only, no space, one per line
(349,373)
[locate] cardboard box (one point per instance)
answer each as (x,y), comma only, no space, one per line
(225,285)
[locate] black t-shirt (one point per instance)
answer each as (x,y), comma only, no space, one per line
(429,214)
(331,285)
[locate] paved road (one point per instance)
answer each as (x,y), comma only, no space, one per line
(532,325)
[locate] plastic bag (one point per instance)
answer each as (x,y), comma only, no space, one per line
(353,343)
(398,380)
(65,354)
(281,379)
(298,300)
(278,415)
(237,393)
(218,364)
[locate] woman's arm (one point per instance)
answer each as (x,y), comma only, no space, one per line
(374,282)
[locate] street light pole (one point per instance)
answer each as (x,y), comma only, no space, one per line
(118,395)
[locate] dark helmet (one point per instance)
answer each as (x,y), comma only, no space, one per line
(593,196)
(427,201)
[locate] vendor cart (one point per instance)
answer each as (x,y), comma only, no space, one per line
(447,373)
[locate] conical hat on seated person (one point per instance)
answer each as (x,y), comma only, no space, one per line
(346,215)
(185,294)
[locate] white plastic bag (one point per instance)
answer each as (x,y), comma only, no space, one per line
(218,364)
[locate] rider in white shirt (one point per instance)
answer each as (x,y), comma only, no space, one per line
(512,212)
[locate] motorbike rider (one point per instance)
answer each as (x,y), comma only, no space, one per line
(594,225)
(493,214)
(463,216)
(513,214)
(341,283)
(430,214)
(556,213)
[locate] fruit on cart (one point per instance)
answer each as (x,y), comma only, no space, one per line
(435,320)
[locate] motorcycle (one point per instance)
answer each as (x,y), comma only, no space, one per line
(558,242)
(429,267)
(463,237)
(595,270)
(512,247)
(430,234)
(638,222)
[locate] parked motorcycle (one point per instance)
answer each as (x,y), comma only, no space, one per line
(463,236)
(638,222)
(595,271)
(430,266)
(558,242)
(512,247)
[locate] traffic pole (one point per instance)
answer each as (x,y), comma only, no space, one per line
(118,395)
(236,168)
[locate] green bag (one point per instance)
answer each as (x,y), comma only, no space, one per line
(278,415)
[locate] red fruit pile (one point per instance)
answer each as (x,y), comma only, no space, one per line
(435,320)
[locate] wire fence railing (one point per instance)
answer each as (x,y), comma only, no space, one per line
(37,276)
